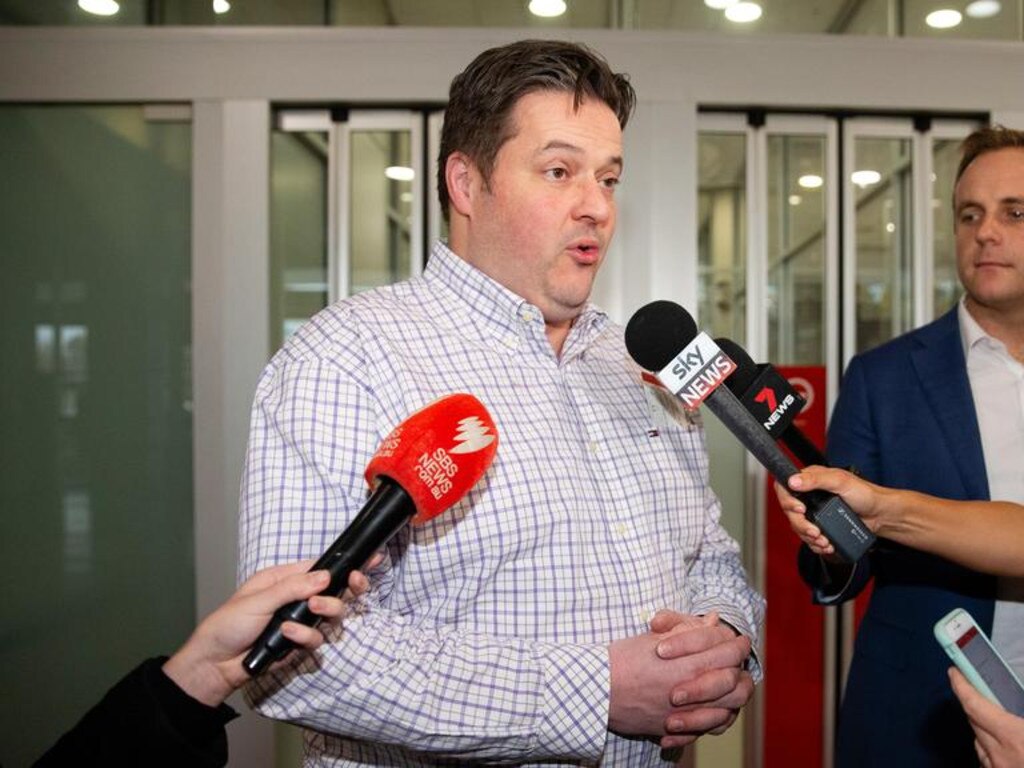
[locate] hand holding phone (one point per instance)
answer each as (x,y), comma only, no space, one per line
(980,662)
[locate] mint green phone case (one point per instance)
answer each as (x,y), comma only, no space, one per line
(961,661)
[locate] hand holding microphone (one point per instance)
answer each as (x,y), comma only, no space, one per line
(423,467)
(662,337)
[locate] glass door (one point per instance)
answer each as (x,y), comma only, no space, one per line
(796,211)
(96,482)
(348,207)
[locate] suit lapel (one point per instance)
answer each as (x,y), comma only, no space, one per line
(938,360)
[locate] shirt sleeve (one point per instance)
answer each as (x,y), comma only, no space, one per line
(717,580)
(383,676)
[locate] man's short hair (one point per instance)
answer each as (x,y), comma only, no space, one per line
(984,140)
(481,99)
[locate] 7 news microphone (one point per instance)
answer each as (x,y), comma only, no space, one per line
(662,337)
(772,400)
(424,466)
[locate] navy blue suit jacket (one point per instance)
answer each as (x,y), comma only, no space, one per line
(905,418)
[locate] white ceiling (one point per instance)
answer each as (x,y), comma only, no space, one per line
(870,17)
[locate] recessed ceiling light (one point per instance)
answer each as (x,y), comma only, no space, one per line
(795,199)
(400,173)
(719,5)
(890,227)
(865,178)
(810,181)
(743,13)
(99,7)
(983,9)
(547,8)
(221,6)
(943,19)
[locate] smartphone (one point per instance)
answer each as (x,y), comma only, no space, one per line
(978,659)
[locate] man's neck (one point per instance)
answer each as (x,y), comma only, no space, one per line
(1007,326)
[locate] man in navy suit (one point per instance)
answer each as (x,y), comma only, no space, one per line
(938,410)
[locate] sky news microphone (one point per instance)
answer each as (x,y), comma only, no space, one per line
(772,400)
(427,464)
(662,337)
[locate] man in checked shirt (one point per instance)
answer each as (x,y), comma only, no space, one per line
(582,605)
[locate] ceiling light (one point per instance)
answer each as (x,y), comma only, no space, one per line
(983,9)
(743,13)
(399,173)
(719,5)
(795,199)
(865,178)
(547,8)
(943,19)
(99,7)
(221,6)
(890,227)
(810,181)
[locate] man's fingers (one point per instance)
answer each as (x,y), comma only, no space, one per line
(674,742)
(707,647)
(699,721)
(729,688)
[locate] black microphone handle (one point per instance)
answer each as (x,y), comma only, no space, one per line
(847,532)
(749,431)
(806,452)
(387,510)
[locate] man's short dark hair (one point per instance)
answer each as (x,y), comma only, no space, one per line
(481,99)
(984,140)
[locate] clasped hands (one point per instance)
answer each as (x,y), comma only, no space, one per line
(681,680)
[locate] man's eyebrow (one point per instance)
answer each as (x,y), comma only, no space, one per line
(566,146)
(1009,200)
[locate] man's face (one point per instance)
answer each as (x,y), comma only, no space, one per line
(542,224)
(988,206)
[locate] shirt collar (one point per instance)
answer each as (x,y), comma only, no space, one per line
(971,333)
(499,309)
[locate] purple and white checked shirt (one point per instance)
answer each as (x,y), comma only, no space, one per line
(484,636)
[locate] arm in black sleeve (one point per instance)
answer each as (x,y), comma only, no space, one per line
(146,720)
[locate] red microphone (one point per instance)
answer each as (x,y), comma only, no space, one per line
(423,467)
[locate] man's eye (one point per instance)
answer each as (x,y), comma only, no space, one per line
(610,183)
(1016,214)
(557,173)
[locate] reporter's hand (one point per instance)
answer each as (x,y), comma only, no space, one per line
(208,666)
(999,735)
(864,498)
(808,532)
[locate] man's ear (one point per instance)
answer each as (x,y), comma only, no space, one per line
(460,173)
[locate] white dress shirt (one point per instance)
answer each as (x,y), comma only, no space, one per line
(997,383)
(484,635)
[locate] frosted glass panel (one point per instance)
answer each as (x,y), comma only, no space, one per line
(96,531)
(298,230)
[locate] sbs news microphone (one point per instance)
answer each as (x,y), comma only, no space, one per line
(424,466)
(662,337)
(772,400)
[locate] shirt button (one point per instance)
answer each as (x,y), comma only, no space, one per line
(592,446)
(645,616)
(622,529)
(510,342)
